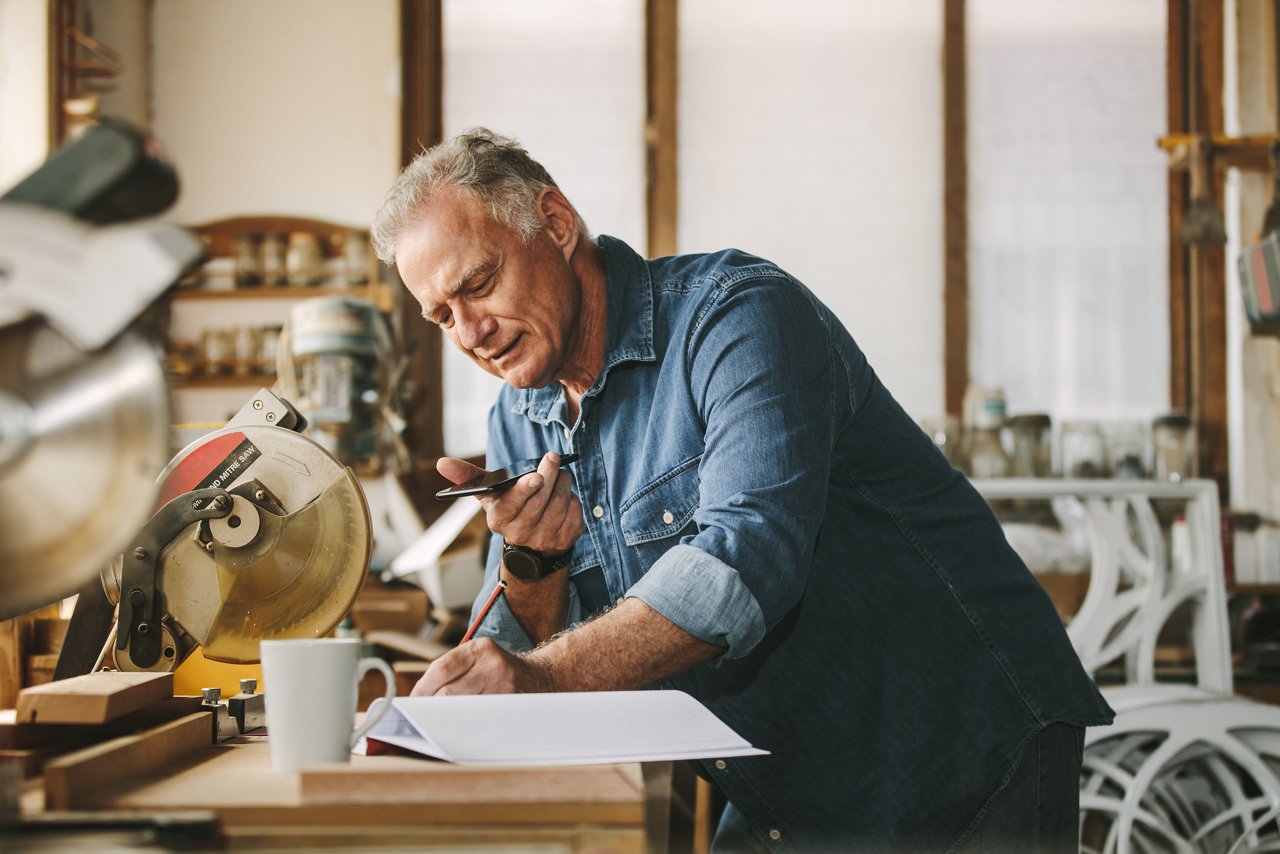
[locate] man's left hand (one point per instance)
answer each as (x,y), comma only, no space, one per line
(481,666)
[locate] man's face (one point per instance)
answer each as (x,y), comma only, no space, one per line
(510,306)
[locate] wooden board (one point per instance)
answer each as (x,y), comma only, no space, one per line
(79,778)
(16,736)
(94,698)
(237,781)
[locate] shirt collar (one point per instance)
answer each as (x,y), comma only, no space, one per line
(628,329)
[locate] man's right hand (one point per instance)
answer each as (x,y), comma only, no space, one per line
(539,512)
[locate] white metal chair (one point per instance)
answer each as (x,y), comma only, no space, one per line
(1184,767)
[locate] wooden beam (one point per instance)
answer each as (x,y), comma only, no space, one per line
(1176,107)
(955,207)
(661,78)
(1197,291)
(422,126)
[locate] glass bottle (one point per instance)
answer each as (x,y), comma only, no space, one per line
(303,260)
(274,268)
(248,263)
(984,450)
(1084,450)
(1031,436)
(1173,437)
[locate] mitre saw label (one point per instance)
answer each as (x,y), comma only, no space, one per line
(217,463)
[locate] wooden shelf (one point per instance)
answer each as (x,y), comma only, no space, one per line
(225,381)
(285,292)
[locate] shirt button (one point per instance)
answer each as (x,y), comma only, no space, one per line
(667,517)
(597,511)
(775,835)
(567,431)
(621,599)
(720,766)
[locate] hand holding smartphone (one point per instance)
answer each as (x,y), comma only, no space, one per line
(499,479)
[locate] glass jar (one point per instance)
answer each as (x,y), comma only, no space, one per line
(355,258)
(248,350)
(1128,450)
(274,268)
(1032,439)
(1173,438)
(1084,450)
(984,416)
(247,260)
(303,260)
(216,351)
(270,348)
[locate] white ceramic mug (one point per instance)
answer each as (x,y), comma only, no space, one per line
(310,687)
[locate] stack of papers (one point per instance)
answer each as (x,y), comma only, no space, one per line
(557,729)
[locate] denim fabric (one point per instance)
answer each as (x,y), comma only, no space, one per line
(745,474)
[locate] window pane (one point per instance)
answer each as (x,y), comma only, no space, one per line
(1068,224)
(566,78)
(811,135)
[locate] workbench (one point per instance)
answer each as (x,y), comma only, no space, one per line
(375,802)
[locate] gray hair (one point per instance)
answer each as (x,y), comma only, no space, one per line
(495,168)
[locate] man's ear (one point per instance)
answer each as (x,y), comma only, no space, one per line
(560,219)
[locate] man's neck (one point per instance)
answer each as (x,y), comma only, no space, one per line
(580,371)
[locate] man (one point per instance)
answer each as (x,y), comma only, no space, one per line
(753,520)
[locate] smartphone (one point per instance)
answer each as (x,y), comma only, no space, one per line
(499,479)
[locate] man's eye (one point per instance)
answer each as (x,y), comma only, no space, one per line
(444,321)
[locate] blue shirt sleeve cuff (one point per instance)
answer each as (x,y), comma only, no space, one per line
(503,627)
(705,597)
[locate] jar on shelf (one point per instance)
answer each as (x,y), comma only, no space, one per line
(247,260)
(1084,450)
(304,260)
(983,448)
(274,268)
(355,258)
(1031,435)
(217,351)
(1174,440)
(270,348)
(1128,446)
(248,350)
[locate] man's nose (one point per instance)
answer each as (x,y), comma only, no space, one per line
(473,329)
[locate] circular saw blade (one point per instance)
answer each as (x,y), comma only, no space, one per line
(82,436)
(299,573)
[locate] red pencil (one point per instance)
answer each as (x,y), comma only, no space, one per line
(484,612)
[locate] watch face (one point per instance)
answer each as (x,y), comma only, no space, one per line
(521,564)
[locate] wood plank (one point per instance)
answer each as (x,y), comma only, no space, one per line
(428,782)
(29,736)
(12,650)
(81,778)
(662,57)
(236,780)
(94,698)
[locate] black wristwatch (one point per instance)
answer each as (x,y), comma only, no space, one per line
(529,565)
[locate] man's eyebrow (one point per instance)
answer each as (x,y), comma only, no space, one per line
(475,271)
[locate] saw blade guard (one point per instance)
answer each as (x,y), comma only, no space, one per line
(289,558)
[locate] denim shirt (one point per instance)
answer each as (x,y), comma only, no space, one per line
(745,474)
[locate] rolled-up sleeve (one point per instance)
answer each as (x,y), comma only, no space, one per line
(705,597)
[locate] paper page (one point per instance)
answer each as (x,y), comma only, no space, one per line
(565,729)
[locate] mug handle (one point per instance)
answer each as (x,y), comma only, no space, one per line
(371,718)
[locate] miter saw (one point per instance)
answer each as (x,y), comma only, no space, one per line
(260,534)
(253,531)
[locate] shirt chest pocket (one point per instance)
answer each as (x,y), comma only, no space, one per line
(655,516)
